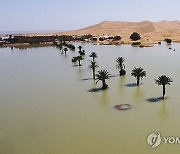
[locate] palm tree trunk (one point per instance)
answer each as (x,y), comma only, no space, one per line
(164,91)
(93,58)
(120,72)
(104,84)
(79,62)
(138,81)
(94,73)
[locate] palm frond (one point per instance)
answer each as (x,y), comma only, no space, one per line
(120,61)
(93,54)
(102,75)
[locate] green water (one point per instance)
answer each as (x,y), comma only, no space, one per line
(46,106)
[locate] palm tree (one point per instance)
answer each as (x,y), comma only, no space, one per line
(80,48)
(79,58)
(93,66)
(163,80)
(93,55)
(120,65)
(139,73)
(103,75)
(65,50)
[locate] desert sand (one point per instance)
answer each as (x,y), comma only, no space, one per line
(151,32)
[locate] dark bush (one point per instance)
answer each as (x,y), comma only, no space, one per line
(117,38)
(168,41)
(110,37)
(135,36)
(101,39)
(94,39)
(136,43)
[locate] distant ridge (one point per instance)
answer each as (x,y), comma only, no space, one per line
(117,27)
(151,30)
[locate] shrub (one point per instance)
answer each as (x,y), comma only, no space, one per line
(135,36)
(117,38)
(136,44)
(101,39)
(94,39)
(168,40)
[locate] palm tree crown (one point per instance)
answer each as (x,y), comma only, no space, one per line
(139,73)
(102,76)
(120,63)
(93,55)
(80,48)
(163,80)
(79,57)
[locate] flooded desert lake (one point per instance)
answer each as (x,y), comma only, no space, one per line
(46,106)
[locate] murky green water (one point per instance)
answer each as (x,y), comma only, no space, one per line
(45,106)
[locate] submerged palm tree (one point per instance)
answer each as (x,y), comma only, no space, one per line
(120,65)
(65,50)
(163,80)
(79,58)
(93,66)
(93,55)
(139,73)
(103,75)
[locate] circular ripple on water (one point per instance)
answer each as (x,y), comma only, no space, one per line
(123,107)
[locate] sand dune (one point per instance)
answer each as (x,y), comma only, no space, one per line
(150,32)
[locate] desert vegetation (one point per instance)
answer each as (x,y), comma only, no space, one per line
(135,36)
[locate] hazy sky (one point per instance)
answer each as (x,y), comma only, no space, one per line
(26,15)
